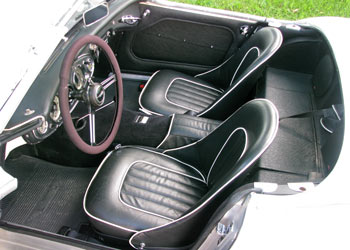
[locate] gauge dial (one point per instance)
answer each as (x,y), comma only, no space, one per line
(78,78)
(55,113)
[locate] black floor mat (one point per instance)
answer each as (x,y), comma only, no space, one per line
(48,196)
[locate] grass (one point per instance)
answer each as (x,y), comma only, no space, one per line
(281,9)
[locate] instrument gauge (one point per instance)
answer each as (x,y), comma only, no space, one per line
(78,78)
(55,112)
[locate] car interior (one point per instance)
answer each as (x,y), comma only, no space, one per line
(148,120)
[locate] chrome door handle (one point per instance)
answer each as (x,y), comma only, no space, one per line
(131,20)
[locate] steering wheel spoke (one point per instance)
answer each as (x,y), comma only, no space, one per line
(92,126)
(110,80)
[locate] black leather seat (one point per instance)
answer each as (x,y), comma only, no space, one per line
(163,199)
(217,93)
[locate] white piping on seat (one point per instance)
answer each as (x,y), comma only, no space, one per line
(223,146)
(222,64)
(240,64)
(186,80)
(169,130)
(280,39)
(193,143)
(221,188)
(84,202)
(143,90)
(217,67)
(105,159)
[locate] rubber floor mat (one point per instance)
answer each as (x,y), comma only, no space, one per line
(48,196)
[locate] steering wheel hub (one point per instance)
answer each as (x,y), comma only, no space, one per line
(96,95)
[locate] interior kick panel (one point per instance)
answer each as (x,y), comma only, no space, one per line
(174,39)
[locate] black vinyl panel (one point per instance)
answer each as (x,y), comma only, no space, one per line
(183,42)
(297,44)
(208,40)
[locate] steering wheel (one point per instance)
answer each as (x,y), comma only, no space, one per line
(91,95)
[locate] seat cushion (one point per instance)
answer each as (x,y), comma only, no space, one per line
(170,92)
(128,195)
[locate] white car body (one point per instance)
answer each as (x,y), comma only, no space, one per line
(315,219)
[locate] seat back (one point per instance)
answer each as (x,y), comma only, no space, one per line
(238,75)
(231,148)
(222,157)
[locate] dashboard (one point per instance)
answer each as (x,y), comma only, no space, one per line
(81,72)
(39,113)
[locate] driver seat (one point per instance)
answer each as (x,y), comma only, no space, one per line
(163,199)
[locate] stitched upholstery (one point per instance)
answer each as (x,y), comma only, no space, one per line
(146,185)
(165,199)
(173,92)
(186,129)
(191,96)
(115,179)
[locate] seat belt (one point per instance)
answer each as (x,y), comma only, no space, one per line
(330,118)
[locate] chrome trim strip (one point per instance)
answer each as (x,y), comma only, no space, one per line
(24,123)
(135,77)
(84,201)
(199,10)
(222,187)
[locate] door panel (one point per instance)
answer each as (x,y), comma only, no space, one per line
(178,39)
